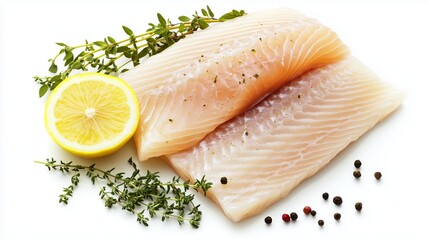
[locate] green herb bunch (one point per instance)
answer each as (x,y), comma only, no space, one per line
(110,56)
(145,196)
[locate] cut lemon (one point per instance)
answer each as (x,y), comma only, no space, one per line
(92,114)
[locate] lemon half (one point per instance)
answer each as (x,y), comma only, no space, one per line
(92,114)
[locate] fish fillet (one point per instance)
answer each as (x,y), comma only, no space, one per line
(288,137)
(213,75)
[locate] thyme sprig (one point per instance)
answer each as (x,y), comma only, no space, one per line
(110,56)
(145,196)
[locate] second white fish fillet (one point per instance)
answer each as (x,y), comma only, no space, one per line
(267,151)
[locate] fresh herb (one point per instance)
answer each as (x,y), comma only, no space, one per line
(145,196)
(111,56)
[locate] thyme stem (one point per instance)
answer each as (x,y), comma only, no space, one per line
(145,196)
(109,51)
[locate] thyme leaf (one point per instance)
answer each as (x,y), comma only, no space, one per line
(111,57)
(143,195)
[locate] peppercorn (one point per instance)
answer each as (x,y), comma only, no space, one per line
(285,217)
(313,213)
(377,175)
(293,216)
(268,220)
(325,196)
(321,222)
(358,206)
(223,180)
(357,174)
(338,200)
(337,216)
(357,163)
(307,210)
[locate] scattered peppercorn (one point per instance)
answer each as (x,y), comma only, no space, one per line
(268,220)
(307,210)
(313,213)
(338,200)
(223,180)
(321,222)
(357,163)
(286,217)
(337,216)
(377,175)
(293,216)
(325,196)
(358,206)
(357,174)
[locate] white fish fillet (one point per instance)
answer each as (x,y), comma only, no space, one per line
(288,137)
(213,75)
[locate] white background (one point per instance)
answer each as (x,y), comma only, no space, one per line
(391,37)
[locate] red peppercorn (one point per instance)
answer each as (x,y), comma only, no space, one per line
(307,210)
(286,217)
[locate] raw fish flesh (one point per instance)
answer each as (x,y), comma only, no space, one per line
(267,151)
(213,75)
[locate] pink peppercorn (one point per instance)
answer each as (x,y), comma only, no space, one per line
(286,217)
(307,210)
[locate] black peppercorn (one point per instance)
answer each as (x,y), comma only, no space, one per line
(337,216)
(358,206)
(325,196)
(337,200)
(313,213)
(293,216)
(357,163)
(268,220)
(223,180)
(357,174)
(377,175)
(321,222)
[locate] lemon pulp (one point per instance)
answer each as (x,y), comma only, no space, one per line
(92,114)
